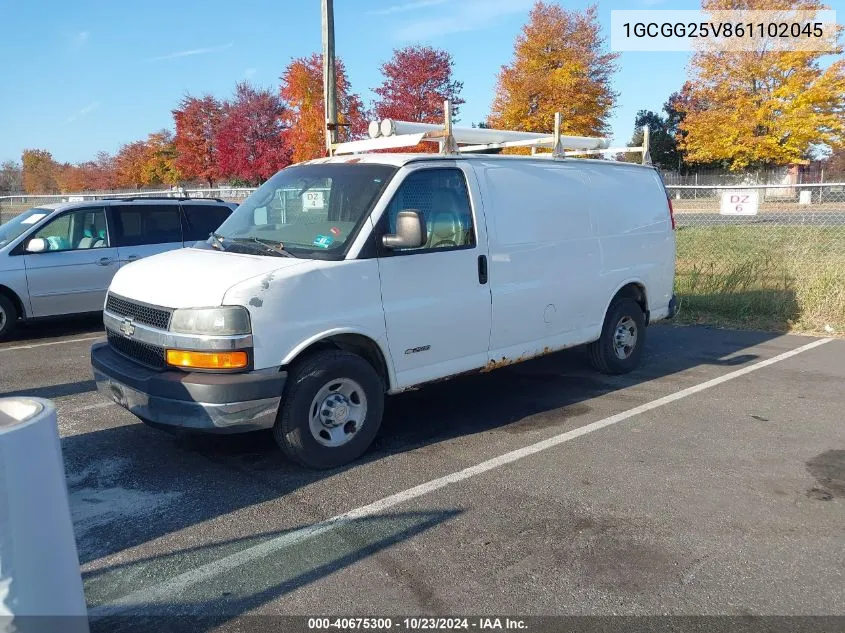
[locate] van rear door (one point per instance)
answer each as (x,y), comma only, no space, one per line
(436,298)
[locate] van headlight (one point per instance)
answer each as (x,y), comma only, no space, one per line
(223,321)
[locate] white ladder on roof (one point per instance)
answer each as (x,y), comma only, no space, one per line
(391,134)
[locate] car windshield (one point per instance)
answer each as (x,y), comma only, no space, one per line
(310,211)
(18,225)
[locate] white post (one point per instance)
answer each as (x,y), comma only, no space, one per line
(558,151)
(646,145)
(39,565)
(448,145)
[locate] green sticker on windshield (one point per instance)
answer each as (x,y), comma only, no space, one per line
(323,241)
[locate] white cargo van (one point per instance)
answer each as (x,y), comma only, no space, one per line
(347,278)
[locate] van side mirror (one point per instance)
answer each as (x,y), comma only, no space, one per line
(36,245)
(410,231)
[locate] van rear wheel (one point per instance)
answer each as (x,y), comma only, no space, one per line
(8,316)
(331,410)
(620,347)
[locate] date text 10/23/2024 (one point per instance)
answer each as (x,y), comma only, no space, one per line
(416,624)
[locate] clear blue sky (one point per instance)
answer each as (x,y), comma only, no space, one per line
(93,74)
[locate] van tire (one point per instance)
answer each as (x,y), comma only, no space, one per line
(603,354)
(8,316)
(307,380)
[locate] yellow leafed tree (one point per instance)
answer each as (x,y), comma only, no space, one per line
(559,65)
(758,108)
(159,165)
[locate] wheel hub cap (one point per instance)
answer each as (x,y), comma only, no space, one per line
(625,338)
(334,410)
(338,411)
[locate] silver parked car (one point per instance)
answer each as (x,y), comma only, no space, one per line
(58,259)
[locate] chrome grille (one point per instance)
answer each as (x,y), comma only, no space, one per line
(148,315)
(144,353)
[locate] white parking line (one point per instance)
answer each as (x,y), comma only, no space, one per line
(72,340)
(172,587)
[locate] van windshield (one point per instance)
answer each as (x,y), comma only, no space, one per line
(311,211)
(21,223)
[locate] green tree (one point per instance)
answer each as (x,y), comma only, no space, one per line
(663,145)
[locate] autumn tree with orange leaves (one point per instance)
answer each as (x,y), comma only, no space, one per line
(758,108)
(129,164)
(39,171)
(93,175)
(561,65)
(197,121)
(71,178)
(159,165)
(304,118)
(101,172)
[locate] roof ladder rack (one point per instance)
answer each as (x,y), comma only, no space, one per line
(392,134)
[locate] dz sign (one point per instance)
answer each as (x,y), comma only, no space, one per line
(736,202)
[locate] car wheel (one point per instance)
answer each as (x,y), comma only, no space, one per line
(331,410)
(8,316)
(620,347)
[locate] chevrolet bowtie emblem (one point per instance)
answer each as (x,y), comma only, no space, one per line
(127,327)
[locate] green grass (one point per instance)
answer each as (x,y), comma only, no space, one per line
(777,278)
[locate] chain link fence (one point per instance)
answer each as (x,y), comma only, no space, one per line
(762,256)
(758,256)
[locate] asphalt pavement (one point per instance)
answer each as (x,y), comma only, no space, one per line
(709,481)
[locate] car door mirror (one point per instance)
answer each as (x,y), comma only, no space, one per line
(36,245)
(410,231)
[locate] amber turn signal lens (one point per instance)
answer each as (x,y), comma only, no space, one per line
(207,360)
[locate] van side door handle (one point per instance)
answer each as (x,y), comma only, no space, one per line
(132,258)
(482,269)
(104,261)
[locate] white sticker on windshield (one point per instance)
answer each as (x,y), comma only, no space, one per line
(313,200)
(34,218)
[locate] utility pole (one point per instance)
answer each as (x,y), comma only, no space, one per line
(329,76)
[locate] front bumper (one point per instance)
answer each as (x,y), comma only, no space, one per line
(221,403)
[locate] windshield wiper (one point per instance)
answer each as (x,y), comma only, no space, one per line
(276,248)
(264,244)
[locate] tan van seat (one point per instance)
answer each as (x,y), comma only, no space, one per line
(444,220)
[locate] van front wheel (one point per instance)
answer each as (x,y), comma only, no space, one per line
(331,410)
(620,347)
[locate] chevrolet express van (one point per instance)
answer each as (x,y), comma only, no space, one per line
(345,279)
